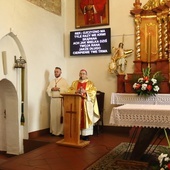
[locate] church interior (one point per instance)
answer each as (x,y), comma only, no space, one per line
(35,38)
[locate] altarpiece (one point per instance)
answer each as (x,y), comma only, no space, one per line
(152,43)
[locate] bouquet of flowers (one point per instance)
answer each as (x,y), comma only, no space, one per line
(146,85)
(164,161)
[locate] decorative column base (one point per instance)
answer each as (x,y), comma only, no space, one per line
(120,83)
(137,66)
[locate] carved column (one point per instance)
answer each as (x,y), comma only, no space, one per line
(159,19)
(165,34)
(137,32)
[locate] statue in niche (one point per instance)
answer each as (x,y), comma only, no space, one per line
(118,60)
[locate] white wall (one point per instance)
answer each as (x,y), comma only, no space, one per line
(121,22)
(41,34)
(45,39)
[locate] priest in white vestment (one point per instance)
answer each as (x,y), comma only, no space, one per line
(57,86)
(90,111)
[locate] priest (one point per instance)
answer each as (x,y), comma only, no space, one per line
(89,107)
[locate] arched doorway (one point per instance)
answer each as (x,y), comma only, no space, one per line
(12,88)
(9,130)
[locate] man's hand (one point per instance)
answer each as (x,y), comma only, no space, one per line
(55,89)
(81,91)
(89,7)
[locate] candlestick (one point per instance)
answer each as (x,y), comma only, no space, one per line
(149,48)
(123,38)
(22,83)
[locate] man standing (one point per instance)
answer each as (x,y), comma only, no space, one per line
(89,109)
(93,11)
(57,86)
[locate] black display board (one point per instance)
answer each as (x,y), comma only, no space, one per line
(90,42)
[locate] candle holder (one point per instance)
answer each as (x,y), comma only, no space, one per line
(19,63)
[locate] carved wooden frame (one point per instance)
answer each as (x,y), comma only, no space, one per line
(80,17)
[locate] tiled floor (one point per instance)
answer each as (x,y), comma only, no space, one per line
(56,157)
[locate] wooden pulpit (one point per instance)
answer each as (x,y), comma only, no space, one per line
(72,116)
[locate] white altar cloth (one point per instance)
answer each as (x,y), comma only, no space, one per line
(141,115)
(133,98)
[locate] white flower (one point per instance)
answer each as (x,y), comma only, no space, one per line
(166,159)
(143,87)
(134,85)
(161,157)
(140,80)
(154,81)
(156,88)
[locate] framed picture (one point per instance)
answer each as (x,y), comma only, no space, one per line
(91,13)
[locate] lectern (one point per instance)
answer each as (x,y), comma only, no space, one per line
(72,116)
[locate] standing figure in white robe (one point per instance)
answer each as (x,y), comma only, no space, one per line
(57,86)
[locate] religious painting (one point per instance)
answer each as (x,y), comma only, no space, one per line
(91,13)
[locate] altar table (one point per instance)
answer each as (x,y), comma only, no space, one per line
(150,117)
(141,115)
(133,98)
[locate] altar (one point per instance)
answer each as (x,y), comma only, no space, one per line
(132,98)
(141,115)
(144,111)
(150,114)
(152,50)
(152,44)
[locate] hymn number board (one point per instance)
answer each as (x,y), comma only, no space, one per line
(90,42)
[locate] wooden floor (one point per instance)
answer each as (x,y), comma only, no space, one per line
(51,156)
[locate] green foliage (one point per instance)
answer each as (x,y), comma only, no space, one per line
(158,75)
(146,72)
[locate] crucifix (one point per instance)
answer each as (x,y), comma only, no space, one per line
(71,112)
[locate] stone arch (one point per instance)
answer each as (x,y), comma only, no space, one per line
(9,117)
(10,102)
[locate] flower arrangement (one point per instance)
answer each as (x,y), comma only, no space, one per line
(146,85)
(164,161)
(163,158)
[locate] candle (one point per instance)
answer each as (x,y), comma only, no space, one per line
(4,62)
(123,38)
(149,48)
(22,83)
